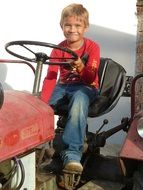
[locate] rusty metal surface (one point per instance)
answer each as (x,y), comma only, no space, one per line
(101,185)
(46,183)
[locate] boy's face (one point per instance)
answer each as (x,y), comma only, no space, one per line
(73,28)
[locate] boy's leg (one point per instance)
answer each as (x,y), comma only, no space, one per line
(57,95)
(75,129)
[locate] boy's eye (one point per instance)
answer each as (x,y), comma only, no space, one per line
(70,26)
(67,25)
(78,25)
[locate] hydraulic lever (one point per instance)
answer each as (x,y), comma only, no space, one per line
(105,122)
(99,138)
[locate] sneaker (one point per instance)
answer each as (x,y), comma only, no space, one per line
(73,166)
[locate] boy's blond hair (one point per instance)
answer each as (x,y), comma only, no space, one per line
(75,10)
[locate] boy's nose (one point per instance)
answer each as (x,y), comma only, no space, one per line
(72,28)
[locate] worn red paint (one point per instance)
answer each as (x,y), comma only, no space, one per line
(25,122)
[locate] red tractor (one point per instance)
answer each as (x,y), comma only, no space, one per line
(27,122)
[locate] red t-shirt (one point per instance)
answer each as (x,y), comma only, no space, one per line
(87,76)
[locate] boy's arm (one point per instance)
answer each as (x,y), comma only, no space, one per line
(50,80)
(49,83)
(89,70)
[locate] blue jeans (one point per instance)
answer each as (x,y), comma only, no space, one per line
(80,97)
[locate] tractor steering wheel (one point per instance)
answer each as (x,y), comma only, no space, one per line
(41,56)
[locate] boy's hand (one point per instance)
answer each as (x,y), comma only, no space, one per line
(78,65)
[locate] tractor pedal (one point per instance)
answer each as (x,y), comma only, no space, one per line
(69,180)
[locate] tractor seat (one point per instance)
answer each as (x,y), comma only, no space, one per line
(112,79)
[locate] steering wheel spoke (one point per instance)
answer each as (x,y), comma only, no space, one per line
(28,49)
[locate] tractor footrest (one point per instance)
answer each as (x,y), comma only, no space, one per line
(69,180)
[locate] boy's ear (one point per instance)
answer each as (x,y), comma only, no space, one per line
(61,26)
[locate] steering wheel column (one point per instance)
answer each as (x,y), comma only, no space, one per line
(41,59)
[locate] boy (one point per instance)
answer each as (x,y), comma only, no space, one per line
(79,84)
